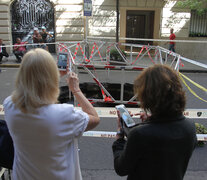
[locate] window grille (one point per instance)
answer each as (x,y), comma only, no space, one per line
(198,25)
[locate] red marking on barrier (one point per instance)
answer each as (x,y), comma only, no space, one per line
(149,55)
(137,68)
(110,67)
(99,84)
(89,66)
(108,99)
(138,55)
(132,103)
(156,52)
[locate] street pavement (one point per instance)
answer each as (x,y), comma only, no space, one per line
(95,153)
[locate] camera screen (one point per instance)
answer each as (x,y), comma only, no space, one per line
(62,61)
(127,119)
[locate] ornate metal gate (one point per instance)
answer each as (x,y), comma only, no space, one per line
(27,14)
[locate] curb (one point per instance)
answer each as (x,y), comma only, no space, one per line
(181,70)
(10,65)
(193,71)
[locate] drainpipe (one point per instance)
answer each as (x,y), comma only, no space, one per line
(117,20)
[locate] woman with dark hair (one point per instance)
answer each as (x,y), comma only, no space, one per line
(161,146)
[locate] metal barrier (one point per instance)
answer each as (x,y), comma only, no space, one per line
(94,55)
(100,58)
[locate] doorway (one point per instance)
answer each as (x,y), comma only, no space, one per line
(27,14)
(139,24)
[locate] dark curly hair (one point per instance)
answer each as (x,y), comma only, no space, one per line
(160,91)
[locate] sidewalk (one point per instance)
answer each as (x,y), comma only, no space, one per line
(10,62)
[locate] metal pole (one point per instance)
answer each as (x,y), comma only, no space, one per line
(86,28)
(117,21)
(86,44)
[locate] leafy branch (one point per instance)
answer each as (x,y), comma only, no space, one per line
(199,5)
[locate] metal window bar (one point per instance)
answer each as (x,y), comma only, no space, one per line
(198,24)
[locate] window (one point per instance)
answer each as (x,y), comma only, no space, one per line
(198,25)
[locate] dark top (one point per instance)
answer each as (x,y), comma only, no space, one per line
(44,36)
(3,50)
(156,150)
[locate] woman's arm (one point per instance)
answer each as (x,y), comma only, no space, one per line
(126,154)
(73,84)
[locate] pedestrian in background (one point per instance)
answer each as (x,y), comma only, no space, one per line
(36,35)
(45,134)
(171,43)
(19,49)
(161,146)
(3,51)
(45,34)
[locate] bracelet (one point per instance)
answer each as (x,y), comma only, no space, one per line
(75,92)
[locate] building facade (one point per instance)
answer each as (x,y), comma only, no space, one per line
(150,19)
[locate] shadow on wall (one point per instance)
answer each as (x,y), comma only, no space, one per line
(180,21)
(103,21)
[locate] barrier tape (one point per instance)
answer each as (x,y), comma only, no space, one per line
(194,83)
(110,112)
(103,134)
(107,134)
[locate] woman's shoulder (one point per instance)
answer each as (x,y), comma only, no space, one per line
(7,101)
(58,107)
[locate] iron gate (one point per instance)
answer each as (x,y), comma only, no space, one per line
(27,14)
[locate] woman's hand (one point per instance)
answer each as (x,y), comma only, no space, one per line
(73,82)
(120,132)
(143,116)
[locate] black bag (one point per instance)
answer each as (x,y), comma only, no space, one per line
(6,147)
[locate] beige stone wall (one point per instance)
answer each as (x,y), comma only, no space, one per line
(5,30)
(175,17)
(69,20)
(147,5)
(70,24)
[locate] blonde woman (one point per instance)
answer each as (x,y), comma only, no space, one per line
(44,133)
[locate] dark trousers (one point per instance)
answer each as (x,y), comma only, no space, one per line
(3,54)
(172,47)
(19,55)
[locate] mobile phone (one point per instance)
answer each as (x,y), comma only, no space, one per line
(62,61)
(125,115)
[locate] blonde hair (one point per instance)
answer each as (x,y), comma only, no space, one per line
(37,81)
